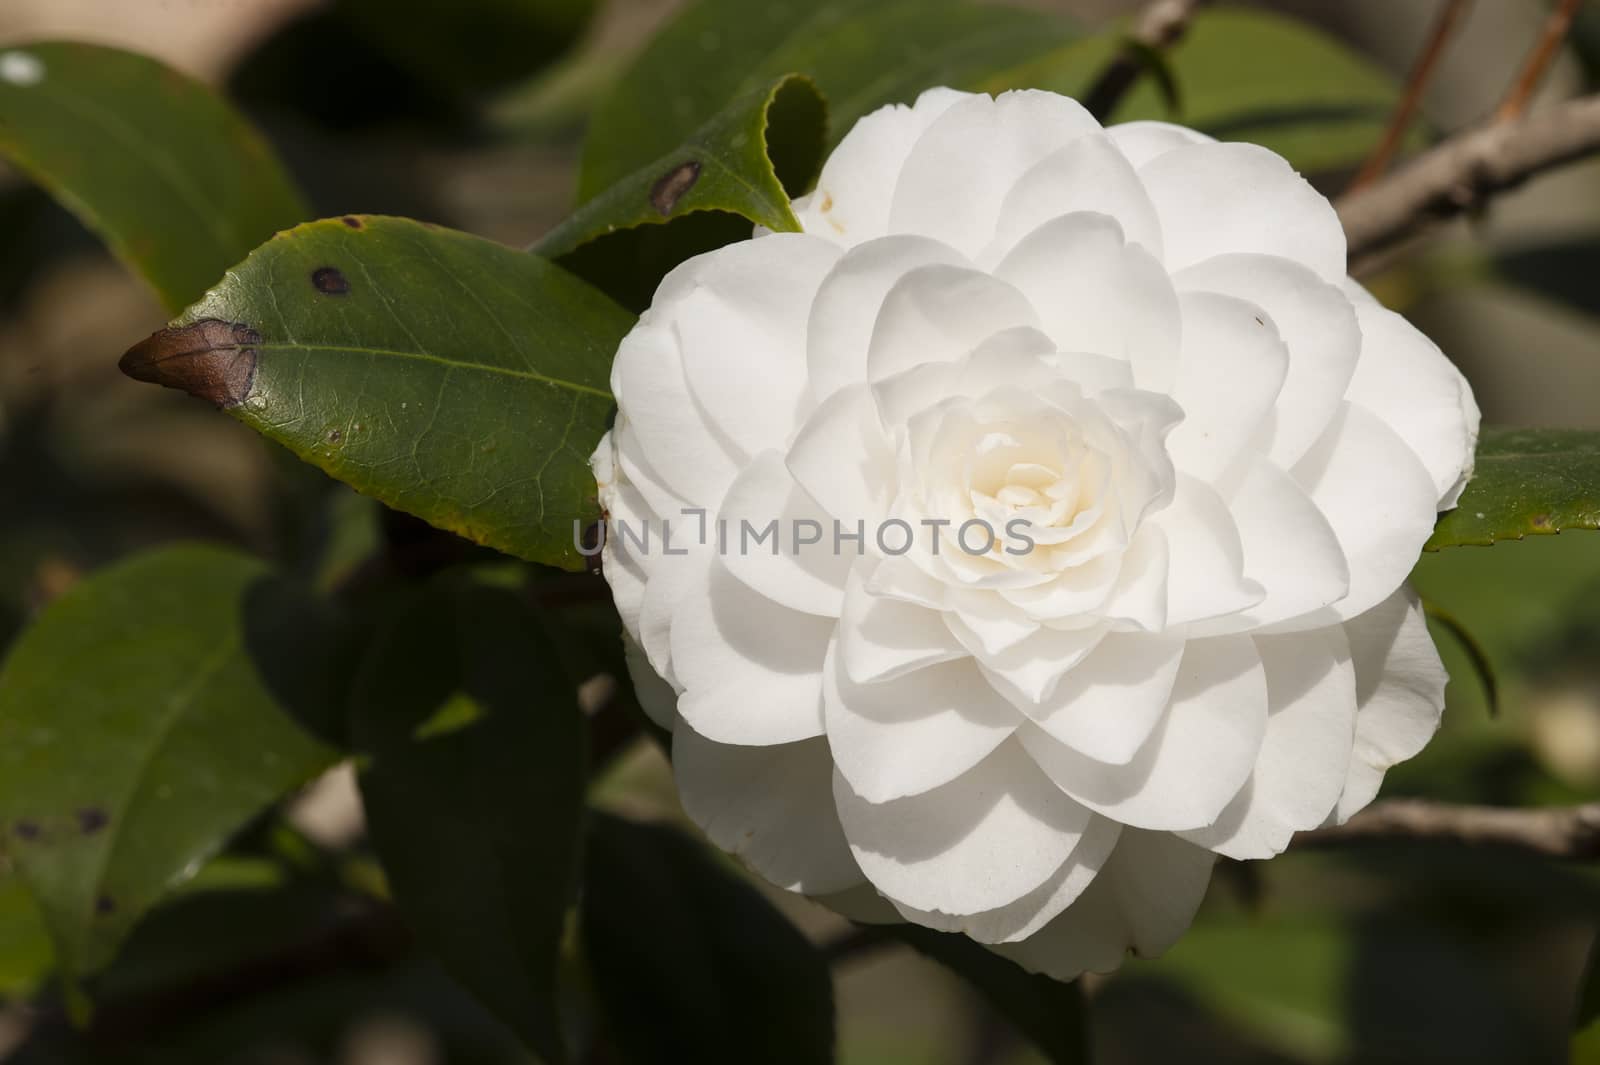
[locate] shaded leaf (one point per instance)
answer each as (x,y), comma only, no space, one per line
(451,377)
(1529,482)
(1049,1013)
(470,45)
(144,717)
(690,963)
(1244,75)
(474,793)
(177,183)
(729,164)
(739,168)
(861,54)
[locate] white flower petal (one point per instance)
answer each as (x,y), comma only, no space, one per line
(1213,199)
(1318,326)
(1106,707)
(1290,550)
(1143,900)
(741,327)
(1305,754)
(751,670)
(770,806)
(1405,379)
(881,637)
(1097,294)
(913,733)
(1380,501)
(1206,569)
(843,459)
(1028,672)
(1195,761)
(1399,693)
(839,331)
(656,697)
(665,420)
(1145,140)
(1090,174)
(776,561)
(1021,919)
(1229,376)
(966,161)
(940,314)
(984,840)
(851,202)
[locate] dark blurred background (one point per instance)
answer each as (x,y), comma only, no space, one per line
(1407,955)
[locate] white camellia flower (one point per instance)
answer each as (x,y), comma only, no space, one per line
(1222,457)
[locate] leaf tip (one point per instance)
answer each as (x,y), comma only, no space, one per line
(210,359)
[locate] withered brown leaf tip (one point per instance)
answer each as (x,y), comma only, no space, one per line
(211,359)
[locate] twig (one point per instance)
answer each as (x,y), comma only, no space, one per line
(1464,171)
(1450,16)
(1539,60)
(1556,832)
(1161,25)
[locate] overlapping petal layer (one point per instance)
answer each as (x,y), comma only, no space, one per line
(1032,527)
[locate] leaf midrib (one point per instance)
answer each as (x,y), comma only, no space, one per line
(454,364)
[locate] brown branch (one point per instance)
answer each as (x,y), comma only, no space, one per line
(1465,171)
(1539,60)
(1161,25)
(1555,832)
(1444,25)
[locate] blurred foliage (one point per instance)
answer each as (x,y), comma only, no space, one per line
(176,183)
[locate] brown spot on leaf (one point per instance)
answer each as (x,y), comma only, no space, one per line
(211,359)
(353,222)
(1541,521)
(92,819)
(105,904)
(665,193)
(25,829)
(335,435)
(330,281)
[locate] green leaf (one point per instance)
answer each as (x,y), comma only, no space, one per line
(861,54)
(732,163)
(1245,75)
(739,168)
(474,793)
(147,714)
(470,45)
(1529,482)
(177,183)
(690,963)
(452,378)
(1049,1013)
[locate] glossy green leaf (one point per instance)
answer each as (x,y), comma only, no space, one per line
(690,963)
(860,53)
(146,715)
(1047,1012)
(735,163)
(474,793)
(738,169)
(1245,75)
(451,377)
(1529,482)
(177,183)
